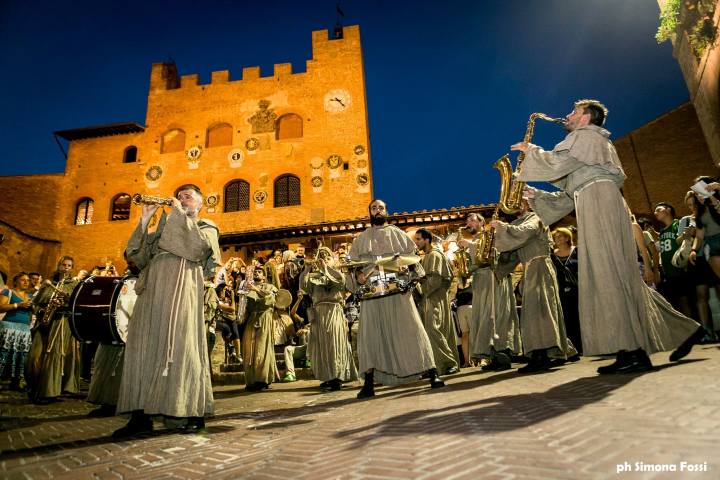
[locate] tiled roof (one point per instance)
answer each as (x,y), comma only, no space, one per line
(352,226)
(100,131)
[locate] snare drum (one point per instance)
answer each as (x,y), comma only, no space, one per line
(101,308)
(379,286)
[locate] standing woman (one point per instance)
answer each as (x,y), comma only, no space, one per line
(565,261)
(15,336)
(706,251)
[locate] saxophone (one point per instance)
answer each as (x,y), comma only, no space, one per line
(462,257)
(57,300)
(511,191)
(486,243)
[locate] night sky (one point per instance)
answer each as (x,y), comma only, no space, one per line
(450,84)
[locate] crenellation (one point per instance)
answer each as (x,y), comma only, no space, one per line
(164,76)
(283,70)
(192,80)
(250,73)
(223,76)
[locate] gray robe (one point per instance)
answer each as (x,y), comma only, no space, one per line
(494,325)
(166,367)
(54,361)
(436,312)
(258,349)
(107,374)
(328,346)
(541,318)
(618,311)
(391,337)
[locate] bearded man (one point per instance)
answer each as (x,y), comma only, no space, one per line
(393,346)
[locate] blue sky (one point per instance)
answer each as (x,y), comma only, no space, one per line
(450,84)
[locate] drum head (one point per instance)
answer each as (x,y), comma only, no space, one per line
(284,299)
(125,306)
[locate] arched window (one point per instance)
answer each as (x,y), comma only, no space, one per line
(173,141)
(130,154)
(120,207)
(289,125)
(84,211)
(219,135)
(287,191)
(237,196)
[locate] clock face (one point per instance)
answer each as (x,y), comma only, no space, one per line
(337,101)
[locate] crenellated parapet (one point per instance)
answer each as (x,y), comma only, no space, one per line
(164,76)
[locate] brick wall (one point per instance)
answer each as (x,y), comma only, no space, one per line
(661,159)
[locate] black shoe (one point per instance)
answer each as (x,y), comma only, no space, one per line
(452,370)
(102,411)
(335,384)
(684,349)
(325,385)
(539,362)
(435,381)
(498,363)
(621,359)
(637,361)
(195,425)
(15,385)
(574,358)
(368,389)
(139,423)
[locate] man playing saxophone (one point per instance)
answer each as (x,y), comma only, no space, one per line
(541,320)
(494,330)
(619,314)
(54,360)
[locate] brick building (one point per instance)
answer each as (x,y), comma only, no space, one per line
(662,157)
(700,66)
(268,151)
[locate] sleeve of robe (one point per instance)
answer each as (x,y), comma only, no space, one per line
(185,238)
(585,146)
(506,263)
(142,247)
(261,302)
(437,273)
(513,236)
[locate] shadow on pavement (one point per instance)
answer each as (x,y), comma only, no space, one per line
(513,411)
(55,447)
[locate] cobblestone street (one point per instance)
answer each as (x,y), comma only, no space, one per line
(568,423)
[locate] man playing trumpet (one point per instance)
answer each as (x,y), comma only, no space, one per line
(166,370)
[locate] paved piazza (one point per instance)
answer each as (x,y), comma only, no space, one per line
(565,424)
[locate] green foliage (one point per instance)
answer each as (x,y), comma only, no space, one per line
(697,18)
(668,21)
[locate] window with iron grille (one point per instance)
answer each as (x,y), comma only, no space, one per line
(84,211)
(287,191)
(120,207)
(237,196)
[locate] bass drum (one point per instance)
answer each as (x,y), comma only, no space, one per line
(101,308)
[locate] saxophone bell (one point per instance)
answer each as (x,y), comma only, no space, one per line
(511,190)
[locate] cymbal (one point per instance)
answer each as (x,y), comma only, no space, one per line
(398,261)
(354,264)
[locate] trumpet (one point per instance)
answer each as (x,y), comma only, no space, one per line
(139,199)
